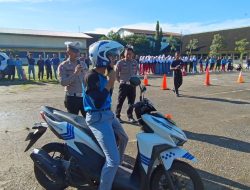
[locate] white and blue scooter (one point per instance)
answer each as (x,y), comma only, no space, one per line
(79,160)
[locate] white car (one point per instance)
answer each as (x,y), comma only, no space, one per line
(3,64)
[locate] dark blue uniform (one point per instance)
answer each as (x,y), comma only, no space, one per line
(177,75)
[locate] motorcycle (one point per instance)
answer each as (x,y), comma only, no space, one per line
(78,162)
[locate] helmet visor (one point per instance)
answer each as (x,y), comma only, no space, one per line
(114,52)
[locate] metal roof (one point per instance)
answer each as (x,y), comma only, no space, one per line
(148,32)
(43,33)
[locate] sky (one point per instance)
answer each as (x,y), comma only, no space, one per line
(99,16)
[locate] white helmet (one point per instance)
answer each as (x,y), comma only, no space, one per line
(99,51)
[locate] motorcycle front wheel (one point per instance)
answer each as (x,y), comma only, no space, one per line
(56,151)
(183,176)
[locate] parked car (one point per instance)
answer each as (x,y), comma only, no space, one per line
(3,64)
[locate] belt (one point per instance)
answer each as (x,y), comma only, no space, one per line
(74,94)
(124,82)
(92,111)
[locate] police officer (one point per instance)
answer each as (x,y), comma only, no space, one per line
(71,73)
(125,69)
(97,103)
(40,64)
(55,62)
(176,67)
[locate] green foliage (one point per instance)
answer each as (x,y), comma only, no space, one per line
(160,34)
(140,43)
(157,29)
(113,36)
(216,45)
(158,39)
(241,46)
(192,45)
(173,43)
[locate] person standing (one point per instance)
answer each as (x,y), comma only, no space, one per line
(141,60)
(97,103)
(201,64)
(207,63)
(248,63)
(176,67)
(48,68)
(55,61)
(223,64)
(218,64)
(40,64)
(212,63)
(229,64)
(185,64)
(71,73)
(191,64)
(194,60)
(11,67)
(125,69)
(19,68)
(168,60)
(31,65)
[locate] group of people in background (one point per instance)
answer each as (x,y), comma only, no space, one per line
(191,64)
(43,64)
(147,64)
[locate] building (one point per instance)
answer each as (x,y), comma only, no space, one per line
(149,34)
(48,42)
(21,41)
(94,38)
(229,38)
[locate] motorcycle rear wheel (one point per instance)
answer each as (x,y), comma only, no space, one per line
(180,173)
(56,151)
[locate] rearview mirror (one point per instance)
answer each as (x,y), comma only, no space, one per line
(135,81)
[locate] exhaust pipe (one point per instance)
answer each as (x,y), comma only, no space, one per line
(50,167)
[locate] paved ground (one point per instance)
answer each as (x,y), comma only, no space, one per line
(216,120)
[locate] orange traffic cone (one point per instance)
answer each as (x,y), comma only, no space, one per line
(207,80)
(164,85)
(240,78)
(145,81)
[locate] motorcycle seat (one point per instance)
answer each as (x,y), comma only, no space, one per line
(79,121)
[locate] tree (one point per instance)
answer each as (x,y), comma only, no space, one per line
(160,34)
(216,45)
(241,46)
(192,45)
(140,43)
(113,36)
(158,39)
(173,43)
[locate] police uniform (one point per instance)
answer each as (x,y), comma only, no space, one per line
(125,69)
(72,83)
